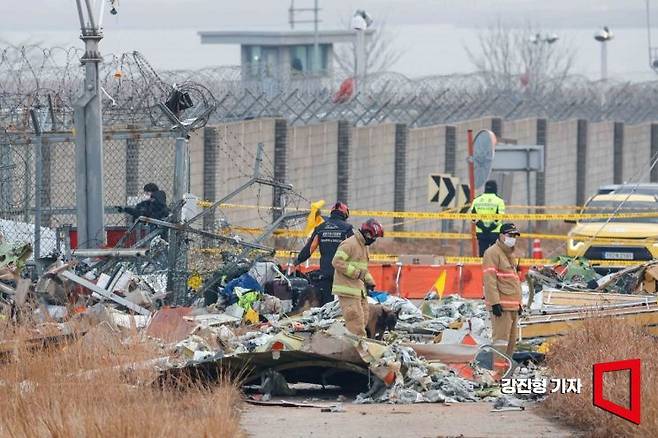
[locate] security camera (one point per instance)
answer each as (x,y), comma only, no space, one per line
(361,20)
(114,5)
(603,35)
(654,64)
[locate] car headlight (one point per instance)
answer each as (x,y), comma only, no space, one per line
(576,243)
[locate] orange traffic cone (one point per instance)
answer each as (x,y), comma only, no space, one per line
(537,252)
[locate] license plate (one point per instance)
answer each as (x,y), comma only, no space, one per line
(618,255)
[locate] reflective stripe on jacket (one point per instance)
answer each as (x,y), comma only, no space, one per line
(351,262)
(489,203)
(501,280)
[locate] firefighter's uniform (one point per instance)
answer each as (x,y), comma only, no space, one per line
(327,236)
(487,231)
(502,286)
(350,280)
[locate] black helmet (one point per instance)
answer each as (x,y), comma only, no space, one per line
(340,209)
(491,186)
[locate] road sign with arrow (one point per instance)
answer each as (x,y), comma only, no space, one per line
(444,190)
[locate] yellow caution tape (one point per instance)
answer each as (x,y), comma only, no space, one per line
(470,216)
(499,217)
(445,236)
(389,258)
(452,260)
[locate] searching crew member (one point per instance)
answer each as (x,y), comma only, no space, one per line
(154,207)
(502,289)
(328,235)
(352,279)
(488,203)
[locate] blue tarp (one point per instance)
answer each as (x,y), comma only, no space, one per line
(244,281)
(380,297)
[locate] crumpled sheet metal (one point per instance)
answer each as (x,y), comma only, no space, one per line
(401,374)
(417,380)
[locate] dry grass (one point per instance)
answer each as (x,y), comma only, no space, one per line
(605,340)
(53,393)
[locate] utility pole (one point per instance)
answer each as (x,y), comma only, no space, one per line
(292,20)
(89,135)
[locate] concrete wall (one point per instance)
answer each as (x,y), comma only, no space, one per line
(312,157)
(637,152)
(235,146)
(425,155)
(600,156)
(372,168)
(196,148)
(312,160)
(561,163)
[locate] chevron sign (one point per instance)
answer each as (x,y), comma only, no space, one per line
(443,189)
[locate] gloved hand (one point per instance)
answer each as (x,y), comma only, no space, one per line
(497,310)
(492,226)
(370,287)
(520,309)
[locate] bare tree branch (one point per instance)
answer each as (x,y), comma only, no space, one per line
(521,58)
(381,53)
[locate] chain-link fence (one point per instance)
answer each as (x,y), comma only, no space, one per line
(131,160)
(38,172)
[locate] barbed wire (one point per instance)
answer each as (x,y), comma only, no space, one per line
(48,79)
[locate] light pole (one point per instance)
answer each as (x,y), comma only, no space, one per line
(603,36)
(360,23)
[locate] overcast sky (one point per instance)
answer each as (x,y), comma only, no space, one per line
(431,33)
(218,14)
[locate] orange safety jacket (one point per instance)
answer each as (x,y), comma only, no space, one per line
(501,280)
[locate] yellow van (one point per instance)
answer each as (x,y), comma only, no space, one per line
(626,238)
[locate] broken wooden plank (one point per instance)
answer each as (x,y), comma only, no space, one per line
(558,324)
(562,298)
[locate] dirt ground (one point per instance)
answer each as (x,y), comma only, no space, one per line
(467,420)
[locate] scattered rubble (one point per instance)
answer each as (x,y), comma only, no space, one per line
(255,320)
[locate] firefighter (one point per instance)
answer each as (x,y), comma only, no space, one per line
(327,236)
(352,279)
(502,289)
(488,203)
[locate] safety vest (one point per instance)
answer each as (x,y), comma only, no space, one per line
(488,203)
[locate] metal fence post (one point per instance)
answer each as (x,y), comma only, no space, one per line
(177,252)
(38,187)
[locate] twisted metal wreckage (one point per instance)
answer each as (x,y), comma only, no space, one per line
(437,353)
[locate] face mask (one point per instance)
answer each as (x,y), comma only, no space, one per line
(368,240)
(509,241)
